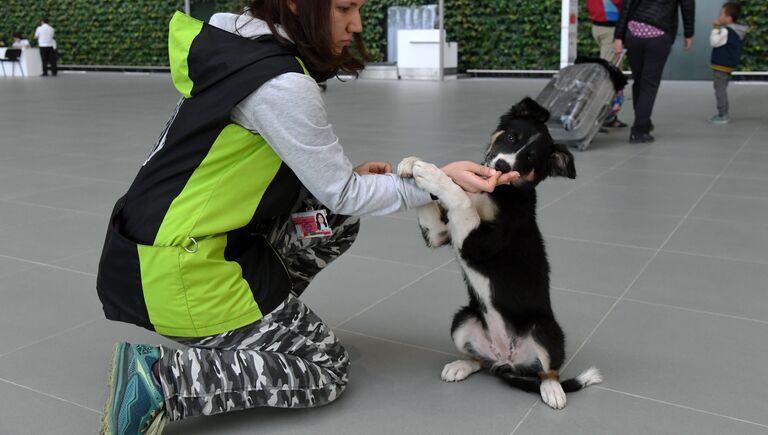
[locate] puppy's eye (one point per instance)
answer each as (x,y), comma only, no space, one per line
(514,137)
(531,156)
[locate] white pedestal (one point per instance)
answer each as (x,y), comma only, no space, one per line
(418,56)
(30,63)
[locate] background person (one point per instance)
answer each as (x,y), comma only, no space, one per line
(45,40)
(20,42)
(647,29)
(727,40)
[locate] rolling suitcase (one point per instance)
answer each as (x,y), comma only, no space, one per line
(579,98)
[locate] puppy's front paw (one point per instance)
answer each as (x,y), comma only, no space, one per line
(430,178)
(459,370)
(405,167)
(552,394)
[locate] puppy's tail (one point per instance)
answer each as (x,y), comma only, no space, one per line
(589,377)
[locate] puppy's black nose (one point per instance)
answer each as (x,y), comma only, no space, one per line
(503,166)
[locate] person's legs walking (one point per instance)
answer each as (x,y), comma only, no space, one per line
(636,53)
(656,54)
(603,35)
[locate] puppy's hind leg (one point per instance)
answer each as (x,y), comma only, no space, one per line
(432,221)
(549,344)
(471,338)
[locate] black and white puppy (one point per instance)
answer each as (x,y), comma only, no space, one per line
(508,326)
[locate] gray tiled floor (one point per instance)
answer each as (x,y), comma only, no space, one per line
(659,255)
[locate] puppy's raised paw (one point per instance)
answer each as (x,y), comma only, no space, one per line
(405,167)
(552,394)
(430,178)
(459,370)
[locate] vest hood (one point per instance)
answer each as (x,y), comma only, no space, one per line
(202,55)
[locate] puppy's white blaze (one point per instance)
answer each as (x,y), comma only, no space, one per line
(590,377)
(510,159)
(552,394)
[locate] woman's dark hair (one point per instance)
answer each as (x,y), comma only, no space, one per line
(18,35)
(733,10)
(310,31)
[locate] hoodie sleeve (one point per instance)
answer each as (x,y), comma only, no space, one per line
(621,25)
(289,112)
(689,15)
(719,37)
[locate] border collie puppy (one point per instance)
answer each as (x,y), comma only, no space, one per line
(508,326)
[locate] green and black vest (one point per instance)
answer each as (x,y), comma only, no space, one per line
(182,255)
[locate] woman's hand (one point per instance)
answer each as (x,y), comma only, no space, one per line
(473,177)
(688,44)
(373,168)
(618,45)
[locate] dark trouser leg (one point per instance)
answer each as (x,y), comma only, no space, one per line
(655,52)
(721,80)
(288,359)
(54,62)
(635,53)
(45,53)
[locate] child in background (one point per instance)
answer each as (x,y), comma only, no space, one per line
(727,40)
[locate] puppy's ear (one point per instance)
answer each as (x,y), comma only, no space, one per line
(528,108)
(561,162)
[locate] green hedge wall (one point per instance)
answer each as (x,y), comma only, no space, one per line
(493,34)
(97,32)
(525,34)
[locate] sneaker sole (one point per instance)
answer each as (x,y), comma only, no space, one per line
(104,430)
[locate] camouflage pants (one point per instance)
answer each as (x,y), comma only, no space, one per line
(287,359)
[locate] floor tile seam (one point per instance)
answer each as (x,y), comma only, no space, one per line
(401,289)
(731,195)
(52,266)
(614,209)
(666,251)
(729,221)
(694,310)
(50,337)
(49,395)
(744,177)
(525,417)
(650,260)
(401,343)
(385,260)
(678,405)
(52,207)
(591,180)
(582,292)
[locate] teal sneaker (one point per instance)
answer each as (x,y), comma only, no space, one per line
(135,403)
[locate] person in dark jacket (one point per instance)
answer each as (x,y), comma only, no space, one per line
(727,40)
(647,29)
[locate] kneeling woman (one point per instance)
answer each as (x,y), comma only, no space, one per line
(209,247)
